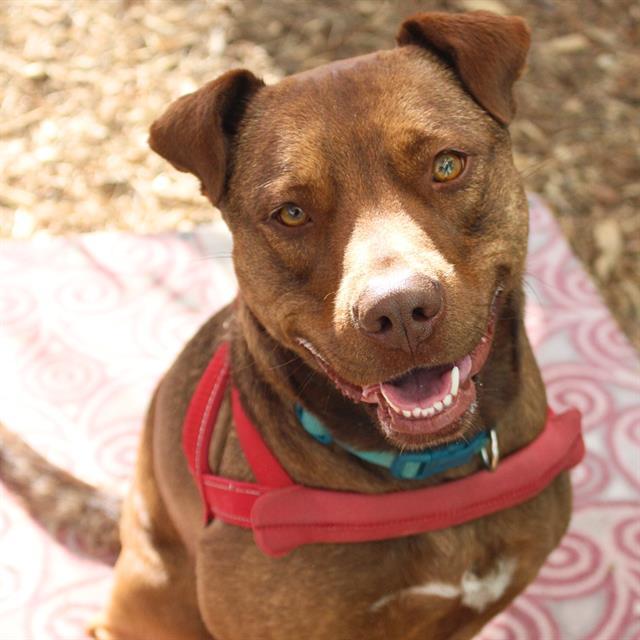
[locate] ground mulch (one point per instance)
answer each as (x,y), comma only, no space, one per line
(83,79)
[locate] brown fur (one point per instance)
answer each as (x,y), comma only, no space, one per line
(351,143)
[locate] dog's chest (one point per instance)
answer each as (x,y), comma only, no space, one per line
(393,589)
(429,586)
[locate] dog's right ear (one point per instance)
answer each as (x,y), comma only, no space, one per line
(195,132)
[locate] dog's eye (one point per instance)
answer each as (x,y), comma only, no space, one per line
(447,166)
(291,215)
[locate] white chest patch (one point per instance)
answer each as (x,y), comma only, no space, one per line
(474,591)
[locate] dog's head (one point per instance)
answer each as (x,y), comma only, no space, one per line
(377,217)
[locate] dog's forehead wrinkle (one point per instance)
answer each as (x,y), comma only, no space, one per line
(382,86)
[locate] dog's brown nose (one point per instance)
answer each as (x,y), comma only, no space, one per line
(399,311)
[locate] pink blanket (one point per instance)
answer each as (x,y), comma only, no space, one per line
(89,323)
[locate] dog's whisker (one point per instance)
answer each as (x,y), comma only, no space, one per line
(212,256)
(532,290)
(296,370)
(284,364)
(540,281)
(306,383)
(532,169)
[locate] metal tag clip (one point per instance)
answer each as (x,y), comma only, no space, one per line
(491,452)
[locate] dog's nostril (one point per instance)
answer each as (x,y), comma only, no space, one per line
(397,310)
(384,323)
(419,315)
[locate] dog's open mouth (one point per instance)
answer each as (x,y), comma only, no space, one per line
(424,400)
(429,400)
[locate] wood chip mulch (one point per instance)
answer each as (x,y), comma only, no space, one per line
(83,79)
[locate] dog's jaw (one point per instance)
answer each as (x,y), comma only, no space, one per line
(421,403)
(439,413)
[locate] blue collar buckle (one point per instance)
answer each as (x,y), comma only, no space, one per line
(422,464)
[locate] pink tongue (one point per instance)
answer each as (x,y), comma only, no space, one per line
(418,388)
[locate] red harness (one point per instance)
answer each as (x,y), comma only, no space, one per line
(285,515)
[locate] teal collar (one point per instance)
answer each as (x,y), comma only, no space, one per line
(415,465)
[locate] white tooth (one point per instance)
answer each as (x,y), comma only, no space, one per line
(424,413)
(393,406)
(438,406)
(447,400)
(455,381)
(407,414)
(417,412)
(430,412)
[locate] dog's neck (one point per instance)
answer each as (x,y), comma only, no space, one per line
(511,395)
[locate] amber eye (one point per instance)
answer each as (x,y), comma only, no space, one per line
(447,166)
(291,215)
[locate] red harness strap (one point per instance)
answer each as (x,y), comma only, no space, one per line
(285,515)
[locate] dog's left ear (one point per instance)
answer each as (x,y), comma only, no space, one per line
(487,51)
(196,131)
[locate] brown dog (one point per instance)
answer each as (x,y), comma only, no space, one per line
(380,232)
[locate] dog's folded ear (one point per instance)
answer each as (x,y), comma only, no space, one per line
(196,131)
(487,51)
